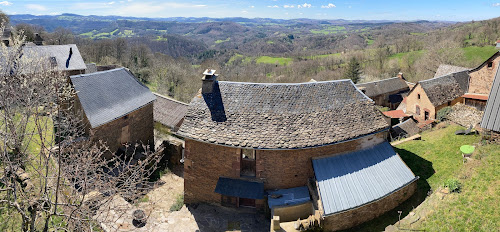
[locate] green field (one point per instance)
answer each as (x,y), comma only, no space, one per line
(328,30)
(274,60)
(222,41)
(479,54)
(435,159)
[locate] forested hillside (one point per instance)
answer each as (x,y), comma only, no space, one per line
(169,55)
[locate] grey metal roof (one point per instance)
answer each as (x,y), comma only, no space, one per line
(385,86)
(61,54)
(240,188)
(445,69)
(108,95)
(357,178)
(446,88)
(290,196)
(168,111)
(281,116)
(491,116)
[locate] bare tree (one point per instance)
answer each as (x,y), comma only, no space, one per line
(51,176)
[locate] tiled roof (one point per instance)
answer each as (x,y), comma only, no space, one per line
(395,114)
(491,116)
(354,179)
(476,96)
(375,88)
(405,129)
(61,54)
(168,111)
(281,116)
(108,95)
(445,69)
(443,89)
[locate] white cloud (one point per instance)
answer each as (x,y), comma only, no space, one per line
(36,7)
(496,4)
(146,9)
(252,6)
(111,3)
(244,12)
(305,5)
(275,6)
(330,5)
(55,13)
(289,6)
(6,3)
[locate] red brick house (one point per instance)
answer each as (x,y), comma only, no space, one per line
(115,106)
(429,96)
(245,139)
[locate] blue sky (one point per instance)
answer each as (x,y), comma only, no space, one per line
(283,9)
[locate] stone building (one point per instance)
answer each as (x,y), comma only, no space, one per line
(490,123)
(429,96)
(169,112)
(245,139)
(387,92)
(481,81)
(65,58)
(116,108)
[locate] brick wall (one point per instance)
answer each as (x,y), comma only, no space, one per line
(205,163)
(351,218)
(140,124)
(482,79)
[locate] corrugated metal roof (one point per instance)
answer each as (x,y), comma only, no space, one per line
(240,188)
(291,196)
(491,117)
(357,178)
(108,95)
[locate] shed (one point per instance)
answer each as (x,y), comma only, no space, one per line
(169,112)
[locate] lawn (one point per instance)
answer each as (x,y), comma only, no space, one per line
(274,60)
(479,54)
(435,159)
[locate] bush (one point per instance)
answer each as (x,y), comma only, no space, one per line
(442,113)
(453,184)
(179,202)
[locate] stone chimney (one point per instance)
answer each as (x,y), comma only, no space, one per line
(38,40)
(208,79)
(400,75)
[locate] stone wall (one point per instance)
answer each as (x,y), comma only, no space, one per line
(424,103)
(205,163)
(140,125)
(293,212)
(354,217)
(482,79)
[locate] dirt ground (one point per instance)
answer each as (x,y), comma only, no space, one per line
(117,216)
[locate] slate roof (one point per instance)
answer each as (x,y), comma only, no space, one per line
(446,88)
(354,179)
(281,116)
(168,111)
(240,188)
(385,86)
(61,54)
(445,69)
(405,129)
(108,95)
(491,116)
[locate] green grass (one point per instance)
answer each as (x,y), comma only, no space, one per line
(179,202)
(417,33)
(324,56)
(479,54)
(328,30)
(270,42)
(435,159)
(274,60)
(161,38)
(222,41)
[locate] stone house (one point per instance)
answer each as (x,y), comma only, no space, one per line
(169,112)
(64,58)
(116,108)
(481,81)
(490,123)
(429,96)
(387,92)
(244,141)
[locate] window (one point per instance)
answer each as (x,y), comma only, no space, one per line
(247,164)
(426,115)
(418,96)
(417,110)
(490,64)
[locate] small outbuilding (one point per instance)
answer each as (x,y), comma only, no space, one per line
(115,106)
(169,112)
(387,92)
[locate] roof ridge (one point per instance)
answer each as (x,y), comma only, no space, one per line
(299,83)
(95,73)
(390,78)
(169,98)
(449,74)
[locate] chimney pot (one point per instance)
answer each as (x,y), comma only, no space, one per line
(400,75)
